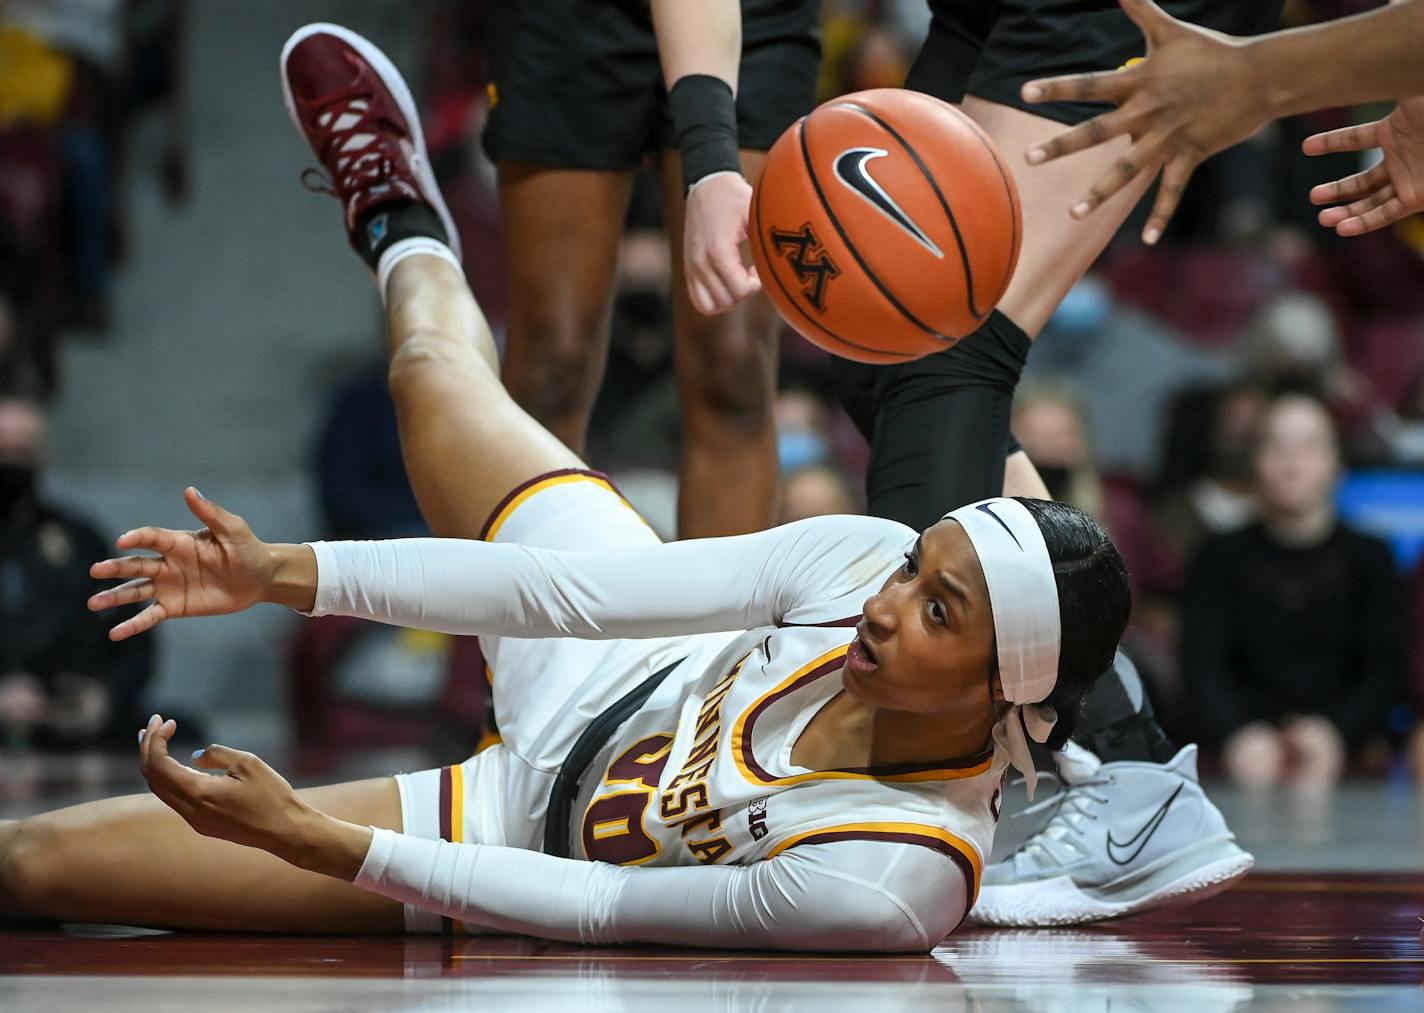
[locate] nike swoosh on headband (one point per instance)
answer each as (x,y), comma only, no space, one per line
(990,511)
(851,171)
(1148,829)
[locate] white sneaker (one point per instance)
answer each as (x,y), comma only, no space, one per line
(1122,837)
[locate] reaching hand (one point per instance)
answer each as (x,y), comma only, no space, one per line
(716,225)
(1194,94)
(1386,193)
(220,569)
(252,805)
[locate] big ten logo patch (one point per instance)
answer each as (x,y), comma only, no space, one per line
(812,265)
(756,817)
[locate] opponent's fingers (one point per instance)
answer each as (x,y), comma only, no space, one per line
(1088,134)
(1127,167)
(728,266)
(1093,86)
(1369,202)
(124,594)
(1174,180)
(697,295)
(1360,137)
(141,623)
(216,519)
(717,292)
(1153,21)
(1385,215)
(126,566)
(1351,186)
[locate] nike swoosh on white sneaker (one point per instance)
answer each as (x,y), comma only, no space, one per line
(851,171)
(1145,834)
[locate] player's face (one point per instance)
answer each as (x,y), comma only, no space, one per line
(927,640)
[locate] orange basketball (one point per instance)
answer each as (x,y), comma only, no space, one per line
(885,225)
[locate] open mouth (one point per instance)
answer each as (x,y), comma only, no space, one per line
(860,654)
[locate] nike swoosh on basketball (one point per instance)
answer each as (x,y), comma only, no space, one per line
(1145,834)
(851,171)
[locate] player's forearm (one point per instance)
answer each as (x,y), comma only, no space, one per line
(1364,58)
(326,845)
(699,37)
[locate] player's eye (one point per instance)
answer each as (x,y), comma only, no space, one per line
(938,613)
(911,566)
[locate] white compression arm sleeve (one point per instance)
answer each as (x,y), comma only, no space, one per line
(697,586)
(849,895)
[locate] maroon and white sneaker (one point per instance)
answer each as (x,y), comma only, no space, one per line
(356,112)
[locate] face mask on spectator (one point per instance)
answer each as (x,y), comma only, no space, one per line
(800,448)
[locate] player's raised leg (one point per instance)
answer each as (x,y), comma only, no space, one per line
(726,374)
(465,442)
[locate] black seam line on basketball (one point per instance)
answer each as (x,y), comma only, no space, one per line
(836,224)
(924,170)
(1011,193)
(792,300)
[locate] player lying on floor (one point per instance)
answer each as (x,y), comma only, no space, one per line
(790,739)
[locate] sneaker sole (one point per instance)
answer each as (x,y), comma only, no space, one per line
(1186,879)
(392,79)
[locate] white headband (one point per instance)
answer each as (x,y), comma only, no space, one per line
(1024,597)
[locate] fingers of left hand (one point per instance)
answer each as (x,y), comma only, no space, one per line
(124,594)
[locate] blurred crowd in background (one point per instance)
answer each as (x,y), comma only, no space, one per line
(1242,407)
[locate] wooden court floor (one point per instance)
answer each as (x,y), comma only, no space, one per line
(1288,941)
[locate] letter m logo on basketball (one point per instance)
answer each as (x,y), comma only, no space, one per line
(813,267)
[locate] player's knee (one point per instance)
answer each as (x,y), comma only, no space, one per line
(422,360)
(549,375)
(32,859)
(730,382)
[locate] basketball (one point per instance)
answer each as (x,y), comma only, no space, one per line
(885,225)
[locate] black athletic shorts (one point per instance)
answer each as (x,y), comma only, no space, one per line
(577,83)
(991,48)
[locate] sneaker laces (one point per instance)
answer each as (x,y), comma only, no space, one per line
(357,151)
(1073,802)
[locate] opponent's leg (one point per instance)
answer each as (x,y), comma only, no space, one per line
(726,374)
(133,861)
(561,230)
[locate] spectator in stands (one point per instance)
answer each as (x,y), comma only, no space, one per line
(1049,421)
(1293,628)
(1204,485)
(61,682)
(1294,342)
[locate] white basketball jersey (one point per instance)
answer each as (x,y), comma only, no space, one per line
(702,773)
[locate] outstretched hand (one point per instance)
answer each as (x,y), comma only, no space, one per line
(1389,191)
(220,569)
(716,225)
(251,804)
(1193,95)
